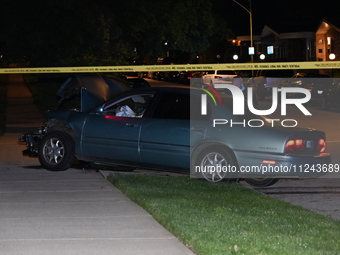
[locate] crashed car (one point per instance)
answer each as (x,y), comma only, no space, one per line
(164,128)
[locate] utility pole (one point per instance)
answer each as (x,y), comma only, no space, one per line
(250,11)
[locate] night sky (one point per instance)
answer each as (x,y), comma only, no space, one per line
(281,15)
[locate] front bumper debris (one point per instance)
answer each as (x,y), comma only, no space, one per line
(32,142)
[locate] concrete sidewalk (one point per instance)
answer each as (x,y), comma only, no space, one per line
(71,212)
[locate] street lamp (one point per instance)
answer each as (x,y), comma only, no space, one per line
(332,57)
(249,10)
(167,49)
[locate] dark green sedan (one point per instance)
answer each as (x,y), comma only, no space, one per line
(166,128)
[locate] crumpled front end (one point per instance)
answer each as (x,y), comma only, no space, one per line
(32,142)
(93,89)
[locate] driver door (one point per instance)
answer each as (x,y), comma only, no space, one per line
(113,133)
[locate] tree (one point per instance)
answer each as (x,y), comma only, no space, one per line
(183,28)
(101,32)
(60,32)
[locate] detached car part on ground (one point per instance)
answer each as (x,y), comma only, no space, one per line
(163,128)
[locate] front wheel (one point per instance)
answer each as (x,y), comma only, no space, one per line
(56,151)
(215,164)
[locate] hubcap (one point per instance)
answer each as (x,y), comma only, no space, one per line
(53,151)
(214,166)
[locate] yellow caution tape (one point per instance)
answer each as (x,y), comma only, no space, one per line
(188,67)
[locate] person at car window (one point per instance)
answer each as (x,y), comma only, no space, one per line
(125,111)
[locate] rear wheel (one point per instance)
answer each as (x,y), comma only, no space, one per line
(56,151)
(215,164)
(261,182)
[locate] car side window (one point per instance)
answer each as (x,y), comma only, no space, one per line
(131,106)
(173,106)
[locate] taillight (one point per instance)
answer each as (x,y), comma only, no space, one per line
(321,145)
(218,77)
(296,145)
(300,145)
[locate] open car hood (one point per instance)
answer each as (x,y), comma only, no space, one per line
(94,89)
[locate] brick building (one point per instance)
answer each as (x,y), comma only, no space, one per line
(308,45)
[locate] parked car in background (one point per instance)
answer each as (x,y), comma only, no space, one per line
(218,76)
(137,83)
(170,76)
(316,83)
(186,76)
(265,80)
(142,75)
(163,128)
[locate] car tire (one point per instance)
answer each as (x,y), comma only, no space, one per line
(216,157)
(261,182)
(56,151)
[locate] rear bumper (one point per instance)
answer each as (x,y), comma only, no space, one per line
(284,166)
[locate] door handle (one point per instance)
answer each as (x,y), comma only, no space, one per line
(197,129)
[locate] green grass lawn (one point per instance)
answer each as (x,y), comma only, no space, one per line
(222,218)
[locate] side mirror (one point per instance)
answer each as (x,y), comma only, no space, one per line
(97,110)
